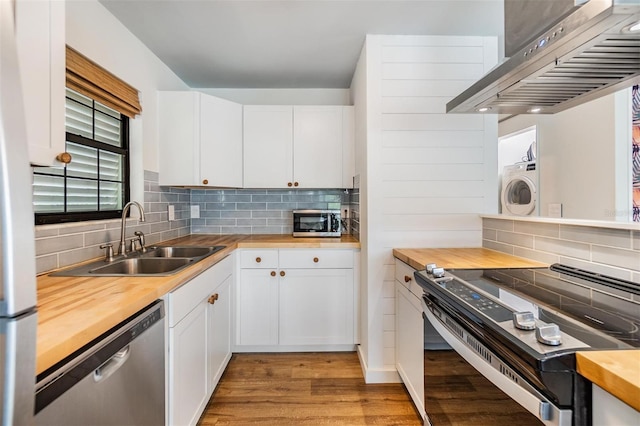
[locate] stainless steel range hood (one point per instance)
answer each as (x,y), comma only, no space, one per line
(591,49)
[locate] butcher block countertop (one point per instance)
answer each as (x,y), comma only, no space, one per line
(463,258)
(617,372)
(72,311)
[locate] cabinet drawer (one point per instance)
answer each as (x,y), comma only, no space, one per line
(186,297)
(261,258)
(403,270)
(316,258)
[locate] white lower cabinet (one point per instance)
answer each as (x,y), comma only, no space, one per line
(410,334)
(316,307)
(258,307)
(296,299)
(609,410)
(199,341)
(188,363)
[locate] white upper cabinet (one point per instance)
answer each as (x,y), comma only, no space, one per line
(268,146)
(298,147)
(348,147)
(317,146)
(200,140)
(40,37)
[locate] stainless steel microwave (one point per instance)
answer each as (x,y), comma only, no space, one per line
(316,223)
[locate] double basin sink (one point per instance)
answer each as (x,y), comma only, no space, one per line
(156,261)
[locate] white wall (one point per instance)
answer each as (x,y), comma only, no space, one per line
(282,96)
(359,101)
(97,34)
(428,174)
(577,159)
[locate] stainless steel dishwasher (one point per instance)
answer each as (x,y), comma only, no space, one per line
(118,379)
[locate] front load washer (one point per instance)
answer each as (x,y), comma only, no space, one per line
(519,192)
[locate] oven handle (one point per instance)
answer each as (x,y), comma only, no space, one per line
(493,369)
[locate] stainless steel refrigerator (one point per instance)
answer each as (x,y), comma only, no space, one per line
(18,318)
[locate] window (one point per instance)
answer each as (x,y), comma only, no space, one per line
(95,185)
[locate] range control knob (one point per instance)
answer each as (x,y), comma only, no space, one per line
(430,267)
(524,320)
(438,272)
(549,334)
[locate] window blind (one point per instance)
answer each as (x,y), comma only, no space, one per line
(95,181)
(90,79)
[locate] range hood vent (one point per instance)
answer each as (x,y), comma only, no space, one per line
(591,52)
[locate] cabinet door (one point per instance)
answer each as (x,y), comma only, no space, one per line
(219,333)
(268,141)
(257,320)
(410,344)
(178,134)
(40,39)
(348,147)
(220,142)
(317,146)
(316,307)
(188,393)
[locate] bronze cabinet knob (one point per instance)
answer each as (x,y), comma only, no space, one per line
(212,299)
(273,273)
(316,260)
(289,184)
(64,157)
(407,278)
(258,259)
(282,274)
(205,182)
(295,184)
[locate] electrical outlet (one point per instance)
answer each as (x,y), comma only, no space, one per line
(172,212)
(195,212)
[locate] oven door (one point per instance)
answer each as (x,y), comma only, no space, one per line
(537,408)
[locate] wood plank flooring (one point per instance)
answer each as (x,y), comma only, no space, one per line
(305,389)
(328,389)
(456,394)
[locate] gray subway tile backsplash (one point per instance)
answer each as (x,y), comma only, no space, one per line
(609,251)
(224,211)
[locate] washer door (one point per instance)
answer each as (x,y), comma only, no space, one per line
(519,196)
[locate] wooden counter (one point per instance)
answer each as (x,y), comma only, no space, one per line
(463,258)
(617,372)
(72,311)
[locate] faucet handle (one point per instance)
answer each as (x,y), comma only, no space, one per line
(109,253)
(140,238)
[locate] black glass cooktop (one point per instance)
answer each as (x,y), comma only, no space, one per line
(602,312)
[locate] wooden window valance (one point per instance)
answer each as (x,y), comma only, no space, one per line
(90,79)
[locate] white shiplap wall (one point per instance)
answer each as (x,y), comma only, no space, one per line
(429,174)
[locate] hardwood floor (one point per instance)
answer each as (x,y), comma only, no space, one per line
(305,389)
(456,394)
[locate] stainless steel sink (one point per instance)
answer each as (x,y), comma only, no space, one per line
(156,261)
(174,251)
(142,266)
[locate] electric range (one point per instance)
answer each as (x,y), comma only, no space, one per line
(521,328)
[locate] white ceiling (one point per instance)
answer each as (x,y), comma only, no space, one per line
(287,43)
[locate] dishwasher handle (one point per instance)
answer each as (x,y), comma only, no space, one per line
(112,364)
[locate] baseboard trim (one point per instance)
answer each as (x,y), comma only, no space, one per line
(378,375)
(292,348)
